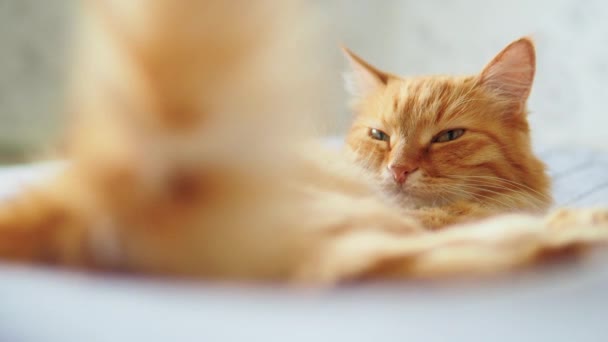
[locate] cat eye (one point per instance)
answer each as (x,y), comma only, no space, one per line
(450,135)
(378,135)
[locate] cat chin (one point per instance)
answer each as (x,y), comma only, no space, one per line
(415,192)
(409,199)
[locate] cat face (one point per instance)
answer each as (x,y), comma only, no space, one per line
(439,139)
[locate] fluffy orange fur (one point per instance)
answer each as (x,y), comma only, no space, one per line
(451,148)
(190,157)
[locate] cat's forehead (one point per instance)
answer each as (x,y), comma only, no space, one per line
(419,101)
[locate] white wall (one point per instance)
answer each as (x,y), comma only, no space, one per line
(32,46)
(407,37)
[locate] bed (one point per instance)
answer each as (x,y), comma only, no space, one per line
(560,302)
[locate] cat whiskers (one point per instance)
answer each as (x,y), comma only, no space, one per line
(458,191)
(524,195)
(523,198)
(490,179)
(513,201)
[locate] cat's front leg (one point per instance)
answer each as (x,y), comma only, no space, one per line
(344,251)
(349,257)
(490,246)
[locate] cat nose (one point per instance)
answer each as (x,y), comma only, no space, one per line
(400,172)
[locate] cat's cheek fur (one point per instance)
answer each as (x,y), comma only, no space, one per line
(371,154)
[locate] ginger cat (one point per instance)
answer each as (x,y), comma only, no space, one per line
(190,157)
(451,148)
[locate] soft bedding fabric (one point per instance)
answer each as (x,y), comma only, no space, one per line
(580,176)
(563,303)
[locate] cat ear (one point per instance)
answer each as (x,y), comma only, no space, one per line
(511,73)
(363,78)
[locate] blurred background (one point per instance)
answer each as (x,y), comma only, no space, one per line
(406,37)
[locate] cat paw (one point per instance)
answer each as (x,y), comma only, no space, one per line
(568,218)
